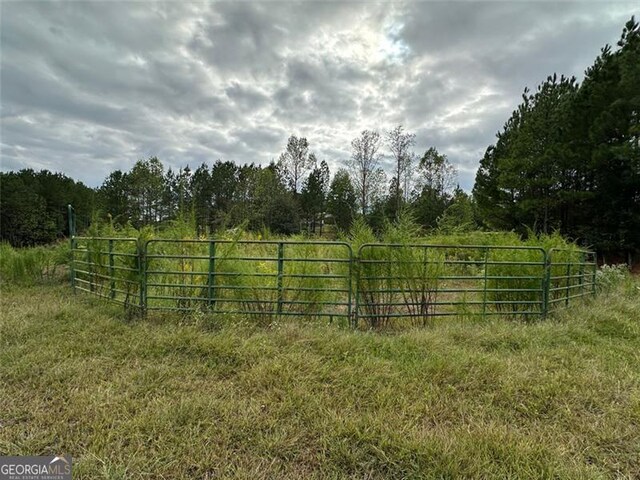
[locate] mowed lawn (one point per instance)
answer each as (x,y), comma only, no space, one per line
(195,398)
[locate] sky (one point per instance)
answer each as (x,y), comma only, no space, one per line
(87,87)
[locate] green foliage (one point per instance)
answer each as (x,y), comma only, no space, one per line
(415,271)
(28,266)
(520,180)
(610,277)
(341,201)
(146,183)
(227,194)
(403,274)
(569,156)
(313,199)
(463,399)
(459,215)
(33,206)
(360,234)
(315,277)
(436,172)
(471,273)
(113,197)
(436,179)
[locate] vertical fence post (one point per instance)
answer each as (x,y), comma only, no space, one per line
(72,268)
(594,273)
(72,244)
(280,270)
(90,268)
(112,277)
(357,264)
(568,274)
(211,277)
(350,285)
(142,266)
(484,294)
(546,282)
(583,259)
(71,221)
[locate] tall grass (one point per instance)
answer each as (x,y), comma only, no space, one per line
(395,278)
(471,400)
(406,275)
(244,274)
(27,266)
(401,275)
(107,262)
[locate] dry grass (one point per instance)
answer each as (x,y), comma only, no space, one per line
(206,398)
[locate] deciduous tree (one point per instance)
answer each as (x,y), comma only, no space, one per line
(367,176)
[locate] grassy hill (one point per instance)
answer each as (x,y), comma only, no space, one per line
(192,397)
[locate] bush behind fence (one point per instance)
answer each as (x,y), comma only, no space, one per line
(378,285)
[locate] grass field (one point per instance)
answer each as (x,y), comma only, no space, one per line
(194,398)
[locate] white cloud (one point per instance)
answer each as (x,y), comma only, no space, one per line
(87,87)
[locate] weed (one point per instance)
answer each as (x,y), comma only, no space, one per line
(185,398)
(399,276)
(27,266)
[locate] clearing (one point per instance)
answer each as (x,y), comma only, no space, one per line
(191,397)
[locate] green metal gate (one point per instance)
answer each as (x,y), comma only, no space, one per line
(256,278)
(418,282)
(108,267)
(383,284)
(572,274)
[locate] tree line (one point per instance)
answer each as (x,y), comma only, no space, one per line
(297,193)
(33,206)
(568,158)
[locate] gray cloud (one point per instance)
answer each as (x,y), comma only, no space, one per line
(87,87)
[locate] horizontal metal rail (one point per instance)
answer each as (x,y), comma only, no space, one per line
(421,282)
(380,284)
(282,277)
(109,268)
(570,270)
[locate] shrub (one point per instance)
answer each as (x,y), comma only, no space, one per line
(609,277)
(404,274)
(26,266)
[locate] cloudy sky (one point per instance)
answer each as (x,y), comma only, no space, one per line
(88,87)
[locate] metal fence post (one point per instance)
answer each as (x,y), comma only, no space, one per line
(72,269)
(372,277)
(546,283)
(90,268)
(358,265)
(566,300)
(583,259)
(72,244)
(280,270)
(594,274)
(484,295)
(112,276)
(211,277)
(142,265)
(70,221)
(350,286)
